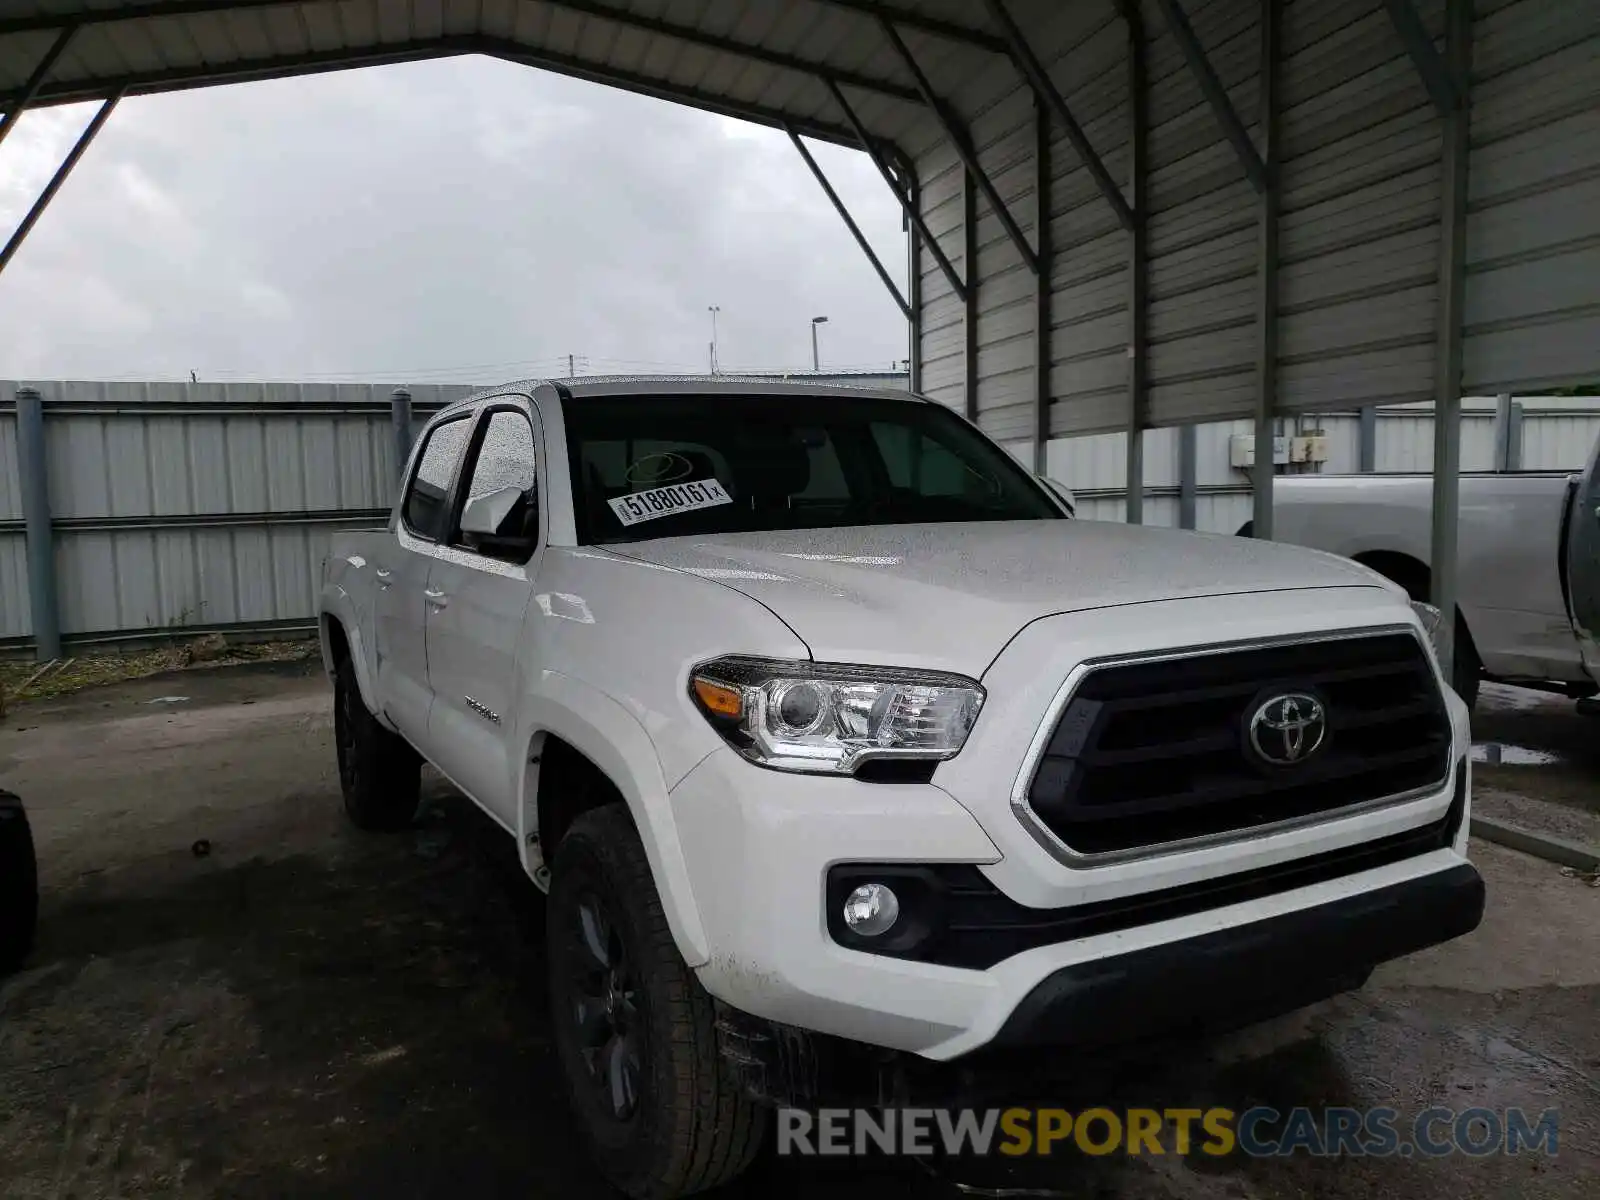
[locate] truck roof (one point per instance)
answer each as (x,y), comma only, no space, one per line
(682,385)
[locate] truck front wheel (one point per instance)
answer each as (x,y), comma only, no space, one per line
(379,773)
(19,884)
(634,1030)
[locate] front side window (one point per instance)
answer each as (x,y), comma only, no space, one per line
(500,514)
(429,494)
(667,466)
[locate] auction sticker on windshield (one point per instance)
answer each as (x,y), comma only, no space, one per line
(669,500)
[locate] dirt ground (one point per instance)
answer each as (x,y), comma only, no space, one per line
(296,1009)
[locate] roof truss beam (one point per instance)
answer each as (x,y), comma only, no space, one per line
(133,12)
(912,211)
(1444,89)
(687,34)
(957,133)
(1216,95)
(8,252)
(30,90)
(727,45)
(178,79)
(1027,62)
(850,223)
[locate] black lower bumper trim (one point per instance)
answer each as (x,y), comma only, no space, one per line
(1247,973)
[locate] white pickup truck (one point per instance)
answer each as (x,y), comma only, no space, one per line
(1528,570)
(843,751)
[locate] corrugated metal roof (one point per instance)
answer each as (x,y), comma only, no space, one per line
(766,61)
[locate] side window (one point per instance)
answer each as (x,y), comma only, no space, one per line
(500,516)
(429,493)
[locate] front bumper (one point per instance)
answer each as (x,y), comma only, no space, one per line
(759,845)
(1234,976)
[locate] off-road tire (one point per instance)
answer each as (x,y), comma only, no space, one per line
(692,1126)
(379,773)
(19,884)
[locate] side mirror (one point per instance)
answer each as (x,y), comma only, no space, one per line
(1062,493)
(483,514)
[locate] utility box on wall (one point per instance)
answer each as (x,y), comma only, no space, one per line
(1312,448)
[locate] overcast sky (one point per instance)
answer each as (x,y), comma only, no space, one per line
(465,219)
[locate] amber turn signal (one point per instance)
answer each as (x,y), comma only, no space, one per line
(718,699)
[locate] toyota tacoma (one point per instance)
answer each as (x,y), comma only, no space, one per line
(842,750)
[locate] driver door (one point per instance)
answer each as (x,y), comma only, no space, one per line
(1583,563)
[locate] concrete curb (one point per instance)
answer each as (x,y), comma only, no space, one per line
(1542,845)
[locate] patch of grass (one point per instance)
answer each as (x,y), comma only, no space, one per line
(97,669)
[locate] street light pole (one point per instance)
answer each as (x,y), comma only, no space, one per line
(816,358)
(714,309)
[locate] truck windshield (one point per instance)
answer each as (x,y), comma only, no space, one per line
(668,466)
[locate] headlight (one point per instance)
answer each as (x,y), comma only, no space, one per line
(1429,616)
(827,718)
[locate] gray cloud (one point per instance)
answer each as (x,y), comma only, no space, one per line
(467,213)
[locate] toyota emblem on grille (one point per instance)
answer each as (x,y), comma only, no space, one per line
(1288,728)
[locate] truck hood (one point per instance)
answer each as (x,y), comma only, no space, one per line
(950,596)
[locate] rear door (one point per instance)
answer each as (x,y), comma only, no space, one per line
(1583,563)
(481,588)
(401,607)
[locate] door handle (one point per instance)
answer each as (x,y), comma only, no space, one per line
(435,598)
(383,577)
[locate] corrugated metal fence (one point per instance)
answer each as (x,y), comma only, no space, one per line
(184,508)
(1535,433)
(195,507)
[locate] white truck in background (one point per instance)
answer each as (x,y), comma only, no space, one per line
(1528,570)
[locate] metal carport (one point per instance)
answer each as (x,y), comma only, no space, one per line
(1122,213)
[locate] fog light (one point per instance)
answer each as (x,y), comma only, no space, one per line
(871,909)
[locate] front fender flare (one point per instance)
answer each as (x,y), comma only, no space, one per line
(609,736)
(338,605)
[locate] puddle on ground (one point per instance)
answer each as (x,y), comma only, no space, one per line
(1498,754)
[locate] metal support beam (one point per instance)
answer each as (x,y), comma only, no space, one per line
(400,419)
(1044,88)
(1367,441)
(1455,151)
(726,45)
(912,211)
(962,141)
(1502,432)
(1138,262)
(1216,95)
(913,193)
(30,90)
(850,223)
(1188,469)
(32,469)
(1265,470)
(56,180)
(1443,85)
(1042,285)
(969,322)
